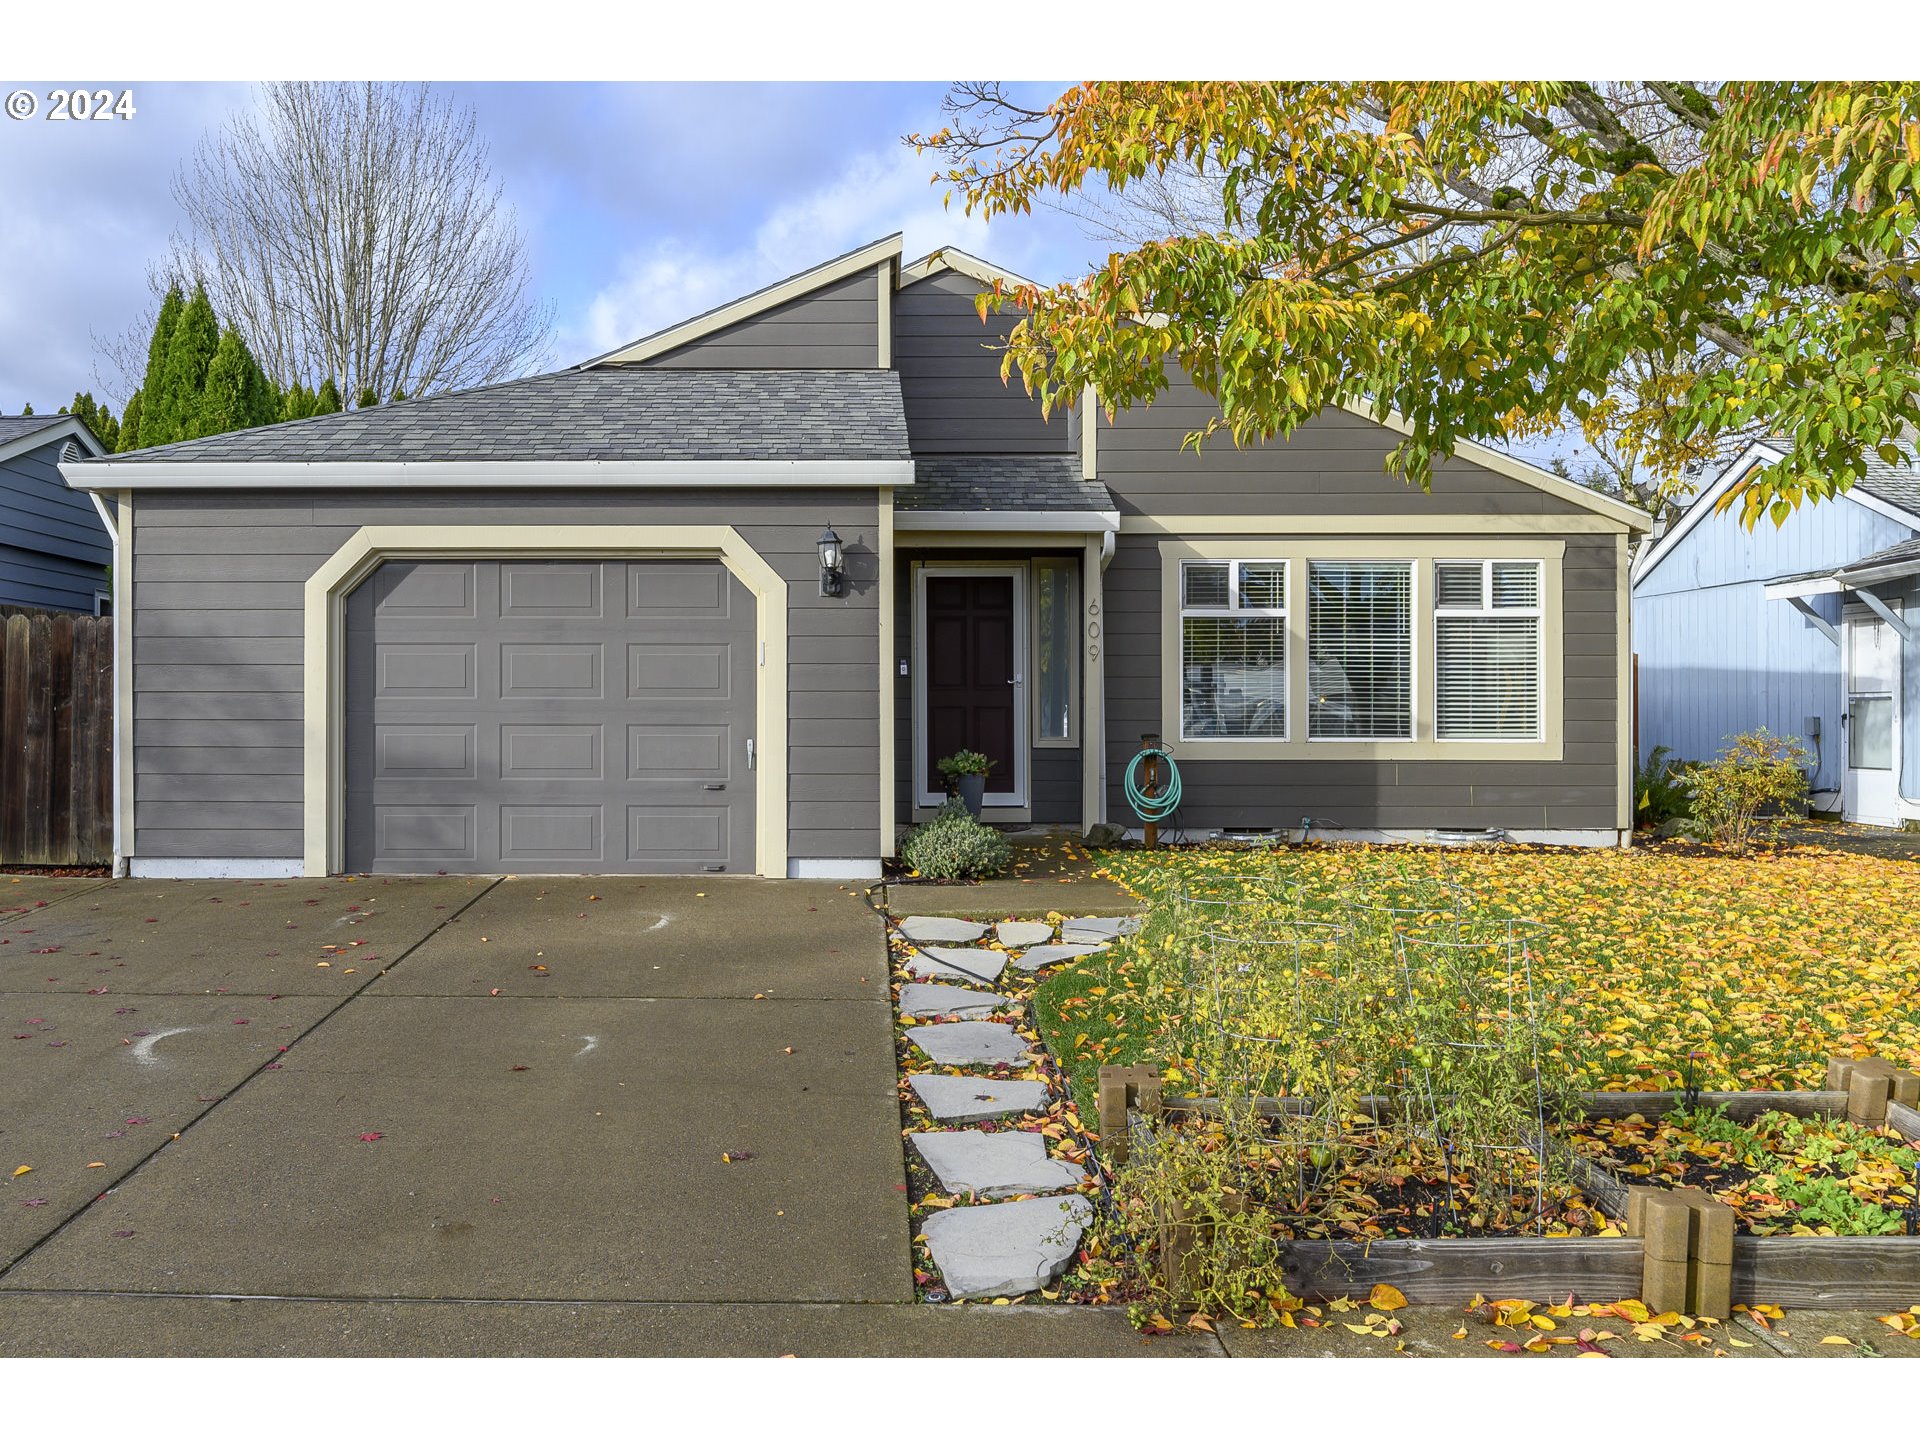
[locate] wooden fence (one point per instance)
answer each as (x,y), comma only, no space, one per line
(56,739)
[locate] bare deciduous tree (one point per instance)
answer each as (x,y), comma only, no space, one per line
(355,232)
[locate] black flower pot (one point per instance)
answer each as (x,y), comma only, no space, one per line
(972,790)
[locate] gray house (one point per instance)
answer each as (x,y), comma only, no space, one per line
(722,599)
(1805,628)
(54,546)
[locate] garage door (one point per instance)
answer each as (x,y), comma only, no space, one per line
(552,717)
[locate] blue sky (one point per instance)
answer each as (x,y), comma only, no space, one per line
(642,204)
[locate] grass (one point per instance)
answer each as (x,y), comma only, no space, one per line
(1740,974)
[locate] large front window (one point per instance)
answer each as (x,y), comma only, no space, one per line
(1233,649)
(1359,649)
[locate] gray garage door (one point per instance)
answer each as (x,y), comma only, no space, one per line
(550,717)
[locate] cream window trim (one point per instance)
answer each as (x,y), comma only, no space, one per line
(324,852)
(1407,525)
(1550,552)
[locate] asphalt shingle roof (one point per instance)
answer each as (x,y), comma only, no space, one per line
(610,413)
(1895,484)
(14,427)
(1893,555)
(976,483)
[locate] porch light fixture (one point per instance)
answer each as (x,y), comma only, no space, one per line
(833,573)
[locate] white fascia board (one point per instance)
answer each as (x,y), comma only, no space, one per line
(1074,522)
(961,263)
(487,474)
(1501,463)
(1758,453)
(867,257)
(1800,588)
(69,428)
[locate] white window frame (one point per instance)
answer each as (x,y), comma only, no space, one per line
(1487,610)
(1071,565)
(1235,610)
(1413,569)
(1367,538)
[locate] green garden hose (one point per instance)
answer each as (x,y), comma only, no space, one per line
(1152,809)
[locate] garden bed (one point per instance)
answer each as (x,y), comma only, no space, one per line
(1727,1265)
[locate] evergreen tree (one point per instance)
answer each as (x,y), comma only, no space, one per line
(296,402)
(129,437)
(398,396)
(195,340)
(367,399)
(236,395)
(157,420)
(327,402)
(26,410)
(97,418)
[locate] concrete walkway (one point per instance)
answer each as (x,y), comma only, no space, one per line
(623,1091)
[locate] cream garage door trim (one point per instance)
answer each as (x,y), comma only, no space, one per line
(326,591)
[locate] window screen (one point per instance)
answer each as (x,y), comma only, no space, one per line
(1360,649)
(1487,657)
(1233,649)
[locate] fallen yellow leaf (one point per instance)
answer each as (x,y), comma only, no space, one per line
(1385,1297)
(23,1170)
(1835,1340)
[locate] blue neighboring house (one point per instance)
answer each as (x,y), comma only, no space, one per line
(1811,628)
(54,549)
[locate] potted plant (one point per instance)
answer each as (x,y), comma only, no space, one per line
(966,776)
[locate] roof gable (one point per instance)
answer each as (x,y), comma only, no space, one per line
(885,251)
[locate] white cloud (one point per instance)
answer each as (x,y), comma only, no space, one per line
(665,281)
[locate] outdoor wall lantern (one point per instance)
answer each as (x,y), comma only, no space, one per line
(833,571)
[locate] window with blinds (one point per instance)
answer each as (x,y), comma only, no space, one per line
(1360,649)
(1487,650)
(1233,649)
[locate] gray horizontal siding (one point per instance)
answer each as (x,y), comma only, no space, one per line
(1576,792)
(836,327)
(949,364)
(39,512)
(219,598)
(1333,465)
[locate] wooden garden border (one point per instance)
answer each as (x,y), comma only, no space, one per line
(1681,1253)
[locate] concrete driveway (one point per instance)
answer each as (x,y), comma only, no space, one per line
(443,1089)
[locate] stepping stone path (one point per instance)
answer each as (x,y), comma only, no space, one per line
(1007,1162)
(962,1099)
(1096,928)
(939,930)
(997,1245)
(1006,1249)
(917,1000)
(969,1042)
(1018,934)
(952,962)
(1041,956)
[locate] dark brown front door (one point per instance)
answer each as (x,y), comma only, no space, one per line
(970,656)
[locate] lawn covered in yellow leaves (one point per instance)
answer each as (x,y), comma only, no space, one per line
(1757,968)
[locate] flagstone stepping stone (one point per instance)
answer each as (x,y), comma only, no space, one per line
(1041,956)
(1008,1162)
(1007,1249)
(1017,934)
(963,1099)
(1098,927)
(957,962)
(938,930)
(969,1042)
(948,1000)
